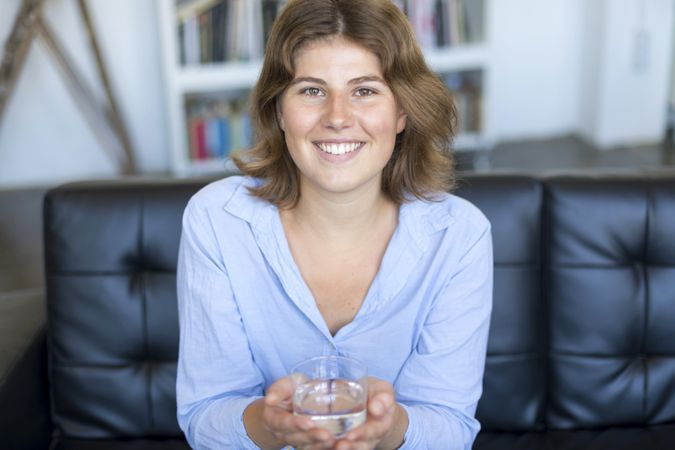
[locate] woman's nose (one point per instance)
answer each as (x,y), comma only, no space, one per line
(338,112)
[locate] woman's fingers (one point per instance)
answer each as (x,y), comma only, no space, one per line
(296,430)
(379,392)
(300,431)
(282,422)
(280,393)
(381,404)
(314,439)
(379,422)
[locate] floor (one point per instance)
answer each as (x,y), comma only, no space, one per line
(20,240)
(21,271)
(568,153)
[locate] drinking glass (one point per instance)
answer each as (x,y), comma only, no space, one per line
(332,391)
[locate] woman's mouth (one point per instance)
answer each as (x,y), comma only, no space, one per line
(339,148)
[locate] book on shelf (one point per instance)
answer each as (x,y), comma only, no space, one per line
(212,31)
(466,88)
(236,30)
(445,23)
(217,31)
(216,127)
(474,20)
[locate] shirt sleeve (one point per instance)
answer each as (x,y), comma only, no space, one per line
(216,376)
(441,382)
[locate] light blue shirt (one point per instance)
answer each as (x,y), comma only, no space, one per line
(247,316)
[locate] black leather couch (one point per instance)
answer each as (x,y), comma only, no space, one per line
(581,351)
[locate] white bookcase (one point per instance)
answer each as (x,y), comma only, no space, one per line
(231,80)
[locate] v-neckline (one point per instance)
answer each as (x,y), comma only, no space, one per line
(307,303)
(401,257)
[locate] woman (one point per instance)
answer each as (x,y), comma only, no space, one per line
(340,239)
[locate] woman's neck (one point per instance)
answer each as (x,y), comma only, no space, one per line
(337,217)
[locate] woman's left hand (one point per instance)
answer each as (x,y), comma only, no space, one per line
(385,425)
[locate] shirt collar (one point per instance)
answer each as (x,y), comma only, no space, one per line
(254,210)
(421,218)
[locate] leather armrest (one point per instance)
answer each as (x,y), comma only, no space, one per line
(24,398)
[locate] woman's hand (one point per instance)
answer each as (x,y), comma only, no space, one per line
(385,424)
(279,420)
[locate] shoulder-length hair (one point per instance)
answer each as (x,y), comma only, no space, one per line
(421,163)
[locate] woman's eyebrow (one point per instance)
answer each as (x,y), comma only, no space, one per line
(367,78)
(357,80)
(308,80)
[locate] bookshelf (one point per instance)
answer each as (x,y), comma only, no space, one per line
(208,79)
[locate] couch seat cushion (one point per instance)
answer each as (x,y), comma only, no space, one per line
(120,444)
(653,438)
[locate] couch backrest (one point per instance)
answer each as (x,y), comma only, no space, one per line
(582,332)
(110,252)
(610,270)
(514,387)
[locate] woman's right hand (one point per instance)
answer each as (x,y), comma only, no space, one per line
(297,431)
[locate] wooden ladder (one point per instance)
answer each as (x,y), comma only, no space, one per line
(104,119)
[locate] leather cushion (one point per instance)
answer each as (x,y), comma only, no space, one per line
(651,438)
(514,382)
(611,292)
(121,444)
(111,254)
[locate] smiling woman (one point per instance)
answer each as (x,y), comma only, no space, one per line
(340,239)
(422,162)
(340,120)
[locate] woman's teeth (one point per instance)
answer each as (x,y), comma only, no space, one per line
(339,149)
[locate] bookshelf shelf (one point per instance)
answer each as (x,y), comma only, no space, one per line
(461,57)
(217,76)
(214,92)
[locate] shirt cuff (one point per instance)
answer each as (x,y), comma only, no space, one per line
(236,409)
(411,439)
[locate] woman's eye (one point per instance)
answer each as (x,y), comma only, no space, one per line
(364,92)
(312,91)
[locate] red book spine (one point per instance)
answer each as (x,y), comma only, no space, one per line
(200,138)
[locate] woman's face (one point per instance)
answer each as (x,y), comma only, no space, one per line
(339,117)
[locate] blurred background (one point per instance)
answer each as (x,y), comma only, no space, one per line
(541,86)
(545,76)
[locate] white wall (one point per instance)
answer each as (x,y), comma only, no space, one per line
(569,66)
(625,95)
(672,76)
(535,66)
(44,138)
(556,67)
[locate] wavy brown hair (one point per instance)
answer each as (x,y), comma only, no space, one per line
(421,163)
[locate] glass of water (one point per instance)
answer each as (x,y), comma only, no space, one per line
(332,391)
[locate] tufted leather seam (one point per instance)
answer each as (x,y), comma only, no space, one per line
(645,280)
(555,353)
(90,365)
(144,305)
(527,265)
(545,264)
(604,266)
(101,273)
(516,355)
